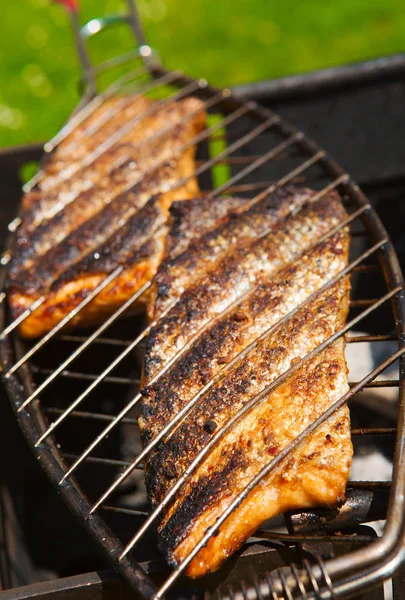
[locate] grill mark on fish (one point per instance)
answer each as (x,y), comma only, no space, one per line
(75,146)
(99,125)
(64,295)
(206,252)
(59,266)
(138,270)
(120,248)
(55,190)
(93,134)
(235,276)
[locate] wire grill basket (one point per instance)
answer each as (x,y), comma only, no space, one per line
(248,151)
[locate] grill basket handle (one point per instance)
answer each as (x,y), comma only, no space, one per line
(95,26)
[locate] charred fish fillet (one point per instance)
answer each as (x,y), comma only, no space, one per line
(224,359)
(118,222)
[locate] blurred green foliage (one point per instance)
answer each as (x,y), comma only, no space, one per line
(228,42)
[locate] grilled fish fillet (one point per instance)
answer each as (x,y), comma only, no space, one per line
(119,221)
(224,361)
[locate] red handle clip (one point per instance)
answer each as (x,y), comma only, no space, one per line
(70,5)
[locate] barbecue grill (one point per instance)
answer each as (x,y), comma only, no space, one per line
(249,151)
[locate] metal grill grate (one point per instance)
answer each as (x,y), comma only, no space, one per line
(261,154)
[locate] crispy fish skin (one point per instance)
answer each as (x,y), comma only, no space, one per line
(67,265)
(235,276)
(205,253)
(316,473)
(42,229)
(190,220)
(195,218)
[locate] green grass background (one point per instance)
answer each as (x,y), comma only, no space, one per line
(226,41)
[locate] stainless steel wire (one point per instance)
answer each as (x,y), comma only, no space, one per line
(22,317)
(64,321)
(94,384)
(87,343)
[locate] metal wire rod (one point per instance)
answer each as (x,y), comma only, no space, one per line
(368,485)
(369,268)
(89,415)
(374,431)
(384,383)
(363,431)
(253,402)
(96,382)
(355,339)
(248,137)
(14,324)
(257,163)
(88,376)
(109,462)
(179,417)
(82,338)
(87,343)
(272,187)
(363,302)
(275,536)
(271,465)
(126,511)
(65,321)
